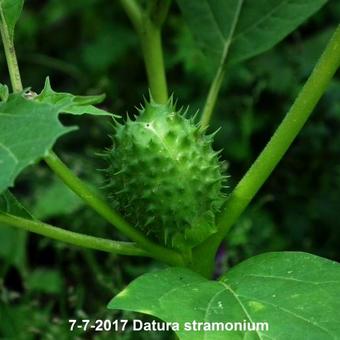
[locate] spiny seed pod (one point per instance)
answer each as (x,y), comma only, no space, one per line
(164,176)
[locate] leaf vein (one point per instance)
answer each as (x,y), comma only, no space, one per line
(226,286)
(290,312)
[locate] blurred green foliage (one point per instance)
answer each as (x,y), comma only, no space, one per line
(89,47)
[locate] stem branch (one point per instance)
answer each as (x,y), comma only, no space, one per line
(102,208)
(285,134)
(77,239)
(134,12)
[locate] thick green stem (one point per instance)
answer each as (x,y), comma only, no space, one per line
(81,240)
(261,169)
(153,59)
(11,58)
(148,25)
(283,137)
(102,208)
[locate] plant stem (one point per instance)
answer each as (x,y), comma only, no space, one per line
(77,239)
(11,58)
(102,208)
(218,79)
(148,25)
(285,134)
(261,169)
(153,59)
(212,96)
(134,12)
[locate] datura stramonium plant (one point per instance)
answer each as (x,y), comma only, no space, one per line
(164,176)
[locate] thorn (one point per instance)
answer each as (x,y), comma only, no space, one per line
(194,117)
(170,102)
(128,119)
(141,107)
(151,101)
(175,104)
(217,153)
(112,138)
(115,122)
(212,135)
(179,111)
(186,112)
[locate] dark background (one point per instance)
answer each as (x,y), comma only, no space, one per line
(89,47)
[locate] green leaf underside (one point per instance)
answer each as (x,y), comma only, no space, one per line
(10,11)
(72,104)
(13,241)
(236,30)
(30,127)
(296,293)
(10,204)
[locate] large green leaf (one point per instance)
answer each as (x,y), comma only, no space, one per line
(10,11)
(297,294)
(30,127)
(236,30)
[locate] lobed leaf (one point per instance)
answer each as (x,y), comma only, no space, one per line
(30,127)
(72,104)
(28,131)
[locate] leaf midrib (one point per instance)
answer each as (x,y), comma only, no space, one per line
(236,296)
(227,41)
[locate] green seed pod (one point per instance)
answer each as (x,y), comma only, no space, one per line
(164,176)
